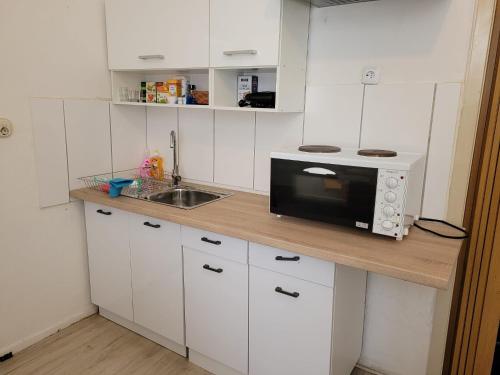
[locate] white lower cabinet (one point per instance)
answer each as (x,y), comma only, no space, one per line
(306,315)
(157,283)
(216,302)
(109,259)
(290,325)
(239,308)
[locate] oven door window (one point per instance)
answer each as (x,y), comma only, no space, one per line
(332,193)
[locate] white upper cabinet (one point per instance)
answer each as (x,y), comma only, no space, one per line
(245,33)
(157,34)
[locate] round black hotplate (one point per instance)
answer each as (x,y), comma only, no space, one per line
(319,148)
(378,153)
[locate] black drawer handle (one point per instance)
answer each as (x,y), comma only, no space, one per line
(148,224)
(294,294)
(205,239)
(107,213)
(288,259)
(217,270)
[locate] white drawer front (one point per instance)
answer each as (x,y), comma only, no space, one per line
(301,266)
(290,325)
(215,244)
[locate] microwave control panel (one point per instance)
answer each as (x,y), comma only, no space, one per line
(390,203)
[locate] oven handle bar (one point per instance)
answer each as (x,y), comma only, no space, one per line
(320,171)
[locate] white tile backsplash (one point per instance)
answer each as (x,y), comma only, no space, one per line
(397,116)
(128,136)
(88,137)
(333,114)
(441,150)
(273,132)
(160,122)
(50,151)
(234,148)
(196,144)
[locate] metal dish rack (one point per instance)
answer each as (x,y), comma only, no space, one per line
(141,187)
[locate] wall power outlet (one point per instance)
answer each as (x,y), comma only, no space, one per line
(5,128)
(371,75)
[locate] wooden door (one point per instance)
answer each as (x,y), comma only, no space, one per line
(479,310)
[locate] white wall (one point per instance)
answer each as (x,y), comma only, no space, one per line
(413,43)
(48,48)
(420,47)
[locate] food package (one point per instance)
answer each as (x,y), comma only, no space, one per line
(246,85)
(150,92)
(161,92)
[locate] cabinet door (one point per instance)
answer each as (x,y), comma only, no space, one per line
(217,308)
(289,334)
(157,276)
(153,34)
(244,33)
(109,259)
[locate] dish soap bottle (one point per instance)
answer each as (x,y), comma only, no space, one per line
(157,170)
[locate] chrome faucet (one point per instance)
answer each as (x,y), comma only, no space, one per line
(176,177)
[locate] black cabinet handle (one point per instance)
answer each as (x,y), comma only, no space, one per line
(205,239)
(294,294)
(288,259)
(148,224)
(217,270)
(107,213)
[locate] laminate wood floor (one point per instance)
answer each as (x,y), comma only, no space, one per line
(97,346)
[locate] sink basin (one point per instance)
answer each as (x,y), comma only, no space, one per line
(186,198)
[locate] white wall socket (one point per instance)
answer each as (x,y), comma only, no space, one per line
(5,128)
(371,75)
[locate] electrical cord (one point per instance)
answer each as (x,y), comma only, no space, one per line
(464,236)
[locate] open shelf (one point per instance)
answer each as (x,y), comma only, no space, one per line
(244,109)
(132,79)
(225,86)
(196,106)
(222,85)
(190,106)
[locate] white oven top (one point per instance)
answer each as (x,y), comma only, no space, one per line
(403,161)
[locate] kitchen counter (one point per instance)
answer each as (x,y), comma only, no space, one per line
(420,257)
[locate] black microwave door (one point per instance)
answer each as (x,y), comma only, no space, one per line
(338,194)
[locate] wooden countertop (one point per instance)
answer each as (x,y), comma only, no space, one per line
(420,257)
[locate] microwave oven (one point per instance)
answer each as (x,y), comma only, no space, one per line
(382,195)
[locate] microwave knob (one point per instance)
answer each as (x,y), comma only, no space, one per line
(391,183)
(390,197)
(389,211)
(387,225)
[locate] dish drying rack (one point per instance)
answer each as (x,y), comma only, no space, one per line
(141,187)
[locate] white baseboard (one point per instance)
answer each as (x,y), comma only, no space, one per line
(163,341)
(368,370)
(33,339)
(210,364)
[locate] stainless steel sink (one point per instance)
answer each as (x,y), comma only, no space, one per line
(186,197)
